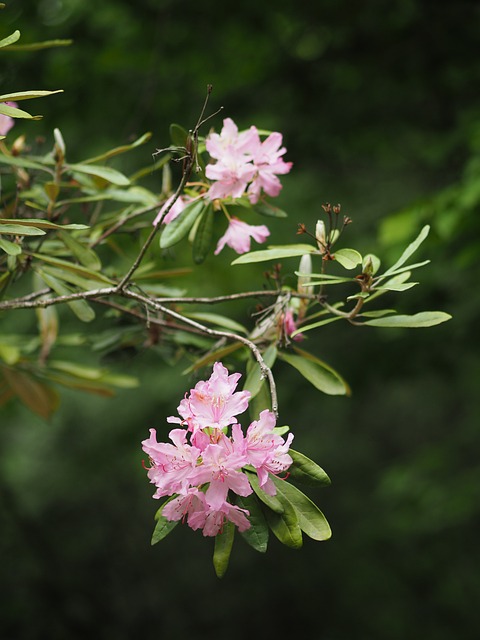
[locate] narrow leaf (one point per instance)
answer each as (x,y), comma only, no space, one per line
(223,549)
(278,253)
(318,373)
(203,236)
(27,95)
(272,502)
(20,230)
(310,518)
(306,471)
(14,112)
(118,150)
(86,256)
(106,173)
(286,526)
(180,226)
(10,247)
(35,395)
(80,308)
(163,526)
(257,535)
(266,209)
(418,320)
(10,39)
(412,247)
(254,378)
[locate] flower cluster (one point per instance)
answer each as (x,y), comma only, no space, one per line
(243,166)
(205,468)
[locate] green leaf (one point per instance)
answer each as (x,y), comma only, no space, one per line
(21,230)
(348,258)
(306,471)
(27,95)
(118,150)
(272,502)
(418,320)
(277,253)
(412,247)
(178,135)
(10,247)
(74,268)
(257,535)
(13,112)
(254,380)
(310,519)
(314,325)
(163,526)
(396,286)
(223,549)
(318,373)
(86,256)
(10,39)
(18,161)
(266,209)
(106,173)
(286,526)
(218,320)
(203,236)
(80,308)
(178,228)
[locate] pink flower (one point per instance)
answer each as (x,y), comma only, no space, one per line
(268,163)
(230,139)
(267,451)
(214,402)
(238,236)
(232,173)
(6,122)
(289,326)
(172,465)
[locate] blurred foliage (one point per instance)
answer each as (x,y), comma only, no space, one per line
(377,102)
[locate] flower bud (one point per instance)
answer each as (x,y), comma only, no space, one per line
(321,236)
(305,270)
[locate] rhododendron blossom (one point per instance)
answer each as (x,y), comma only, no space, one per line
(204,468)
(238,236)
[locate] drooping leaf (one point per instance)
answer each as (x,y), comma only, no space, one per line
(267,209)
(314,325)
(37,396)
(257,536)
(74,268)
(272,502)
(80,308)
(318,373)
(178,228)
(276,253)
(418,320)
(223,549)
(306,471)
(86,256)
(202,241)
(163,526)
(285,525)
(310,519)
(254,380)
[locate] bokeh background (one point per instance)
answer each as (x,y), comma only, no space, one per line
(378,102)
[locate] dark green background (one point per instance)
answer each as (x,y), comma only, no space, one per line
(378,104)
